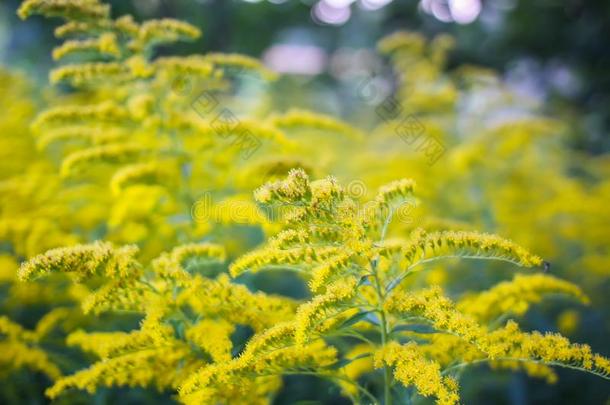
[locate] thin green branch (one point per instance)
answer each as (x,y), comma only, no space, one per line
(547,363)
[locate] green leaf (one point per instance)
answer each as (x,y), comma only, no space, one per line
(344,362)
(418,328)
(360,316)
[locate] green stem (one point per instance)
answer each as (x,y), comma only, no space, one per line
(383,329)
(387,371)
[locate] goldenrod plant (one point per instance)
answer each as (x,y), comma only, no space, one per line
(157,132)
(363,305)
(153,211)
(491,158)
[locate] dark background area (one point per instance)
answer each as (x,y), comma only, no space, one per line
(557,49)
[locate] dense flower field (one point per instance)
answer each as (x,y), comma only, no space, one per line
(166,232)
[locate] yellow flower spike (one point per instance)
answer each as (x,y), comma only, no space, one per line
(511,344)
(294,189)
(208,251)
(191,65)
(13,330)
(16,355)
(166,30)
(117,295)
(271,339)
(439,310)
(517,296)
(214,337)
(317,354)
(18,349)
(50,320)
(91,135)
(289,238)
(175,264)
(105,45)
(126,25)
(68,9)
(141,368)
(411,367)
(80,29)
(109,344)
(296,119)
(139,68)
(88,73)
(83,261)
(235,303)
(507,346)
(326,192)
(227,383)
(396,189)
(402,41)
(135,173)
(111,153)
(322,273)
(292,258)
(322,306)
(268,354)
(240,62)
(104,113)
(471,245)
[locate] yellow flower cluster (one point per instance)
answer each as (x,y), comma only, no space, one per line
(431,305)
(130,358)
(69,9)
(105,45)
(213,337)
(135,173)
(191,65)
(82,28)
(516,296)
(306,119)
(511,344)
(233,302)
(240,62)
(88,135)
(164,31)
(84,261)
(505,347)
(294,189)
(470,245)
(85,73)
(181,261)
(266,355)
(323,307)
(19,349)
(322,273)
(412,368)
(267,258)
(103,113)
(401,40)
(110,153)
(138,369)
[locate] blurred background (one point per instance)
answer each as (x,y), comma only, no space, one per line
(552,53)
(552,50)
